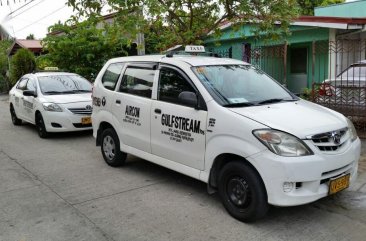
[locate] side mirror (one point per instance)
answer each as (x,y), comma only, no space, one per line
(188,98)
(29,93)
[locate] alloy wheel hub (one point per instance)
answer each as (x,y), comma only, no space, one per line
(109,147)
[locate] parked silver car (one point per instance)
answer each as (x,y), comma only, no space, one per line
(348,88)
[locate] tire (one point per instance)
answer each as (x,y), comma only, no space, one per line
(242,192)
(110,148)
(16,121)
(41,128)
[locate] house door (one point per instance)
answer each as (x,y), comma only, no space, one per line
(298,77)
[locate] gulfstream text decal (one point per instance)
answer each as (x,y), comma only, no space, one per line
(180,128)
(181,123)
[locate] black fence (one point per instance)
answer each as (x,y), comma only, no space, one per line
(224,53)
(336,71)
(344,89)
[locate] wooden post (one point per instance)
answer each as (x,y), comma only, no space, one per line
(285,64)
(313,65)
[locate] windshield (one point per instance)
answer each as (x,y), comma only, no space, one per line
(63,84)
(240,85)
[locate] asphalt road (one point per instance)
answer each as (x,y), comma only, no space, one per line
(61,189)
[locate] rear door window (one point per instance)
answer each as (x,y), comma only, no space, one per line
(138,81)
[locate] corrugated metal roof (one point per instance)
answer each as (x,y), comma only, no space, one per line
(29,44)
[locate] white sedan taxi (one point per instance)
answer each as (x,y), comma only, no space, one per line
(53,101)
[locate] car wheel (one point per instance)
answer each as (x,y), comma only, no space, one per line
(16,121)
(41,128)
(111,149)
(242,192)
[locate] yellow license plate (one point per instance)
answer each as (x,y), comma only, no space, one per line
(338,184)
(86,120)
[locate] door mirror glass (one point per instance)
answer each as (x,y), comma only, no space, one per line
(29,93)
(188,98)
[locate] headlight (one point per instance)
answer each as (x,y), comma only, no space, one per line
(352,130)
(52,107)
(281,143)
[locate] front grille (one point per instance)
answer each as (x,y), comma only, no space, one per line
(330,141)
(79,125)
(326,176)
(81,111)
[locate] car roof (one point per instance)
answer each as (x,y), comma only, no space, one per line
(361,62)
(189,59)
(38,74)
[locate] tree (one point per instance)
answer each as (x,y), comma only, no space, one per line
(4,65)
(23,62)
(30,37)
(307,6)
(44,61)
(191,21)
(81,47)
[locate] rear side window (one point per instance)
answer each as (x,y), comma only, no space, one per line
(138,81)
(111,75)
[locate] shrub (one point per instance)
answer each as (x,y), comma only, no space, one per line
(23,62)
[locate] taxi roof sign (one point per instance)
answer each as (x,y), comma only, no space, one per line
(51,68)
(195,49)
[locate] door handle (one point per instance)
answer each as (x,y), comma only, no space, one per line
(157,111)
(118,101)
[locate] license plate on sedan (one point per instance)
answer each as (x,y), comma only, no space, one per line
(86,120)
(338,184)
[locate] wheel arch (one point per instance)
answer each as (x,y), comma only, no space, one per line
(221,160)
(36,113)
(102,126)
(11,106)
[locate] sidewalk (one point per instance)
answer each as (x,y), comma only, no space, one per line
(362,165)
(4,96)
(360,184)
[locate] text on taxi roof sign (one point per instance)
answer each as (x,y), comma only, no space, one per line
(194,49)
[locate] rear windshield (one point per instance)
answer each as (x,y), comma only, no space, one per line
(63,84)
(354,72)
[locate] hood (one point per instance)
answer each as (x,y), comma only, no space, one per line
(70,98)
(300,118)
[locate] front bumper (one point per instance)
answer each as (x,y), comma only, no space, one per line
(309,174)
(64,121)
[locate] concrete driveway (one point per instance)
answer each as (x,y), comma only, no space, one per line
(61,189)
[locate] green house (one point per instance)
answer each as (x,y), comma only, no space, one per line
(319,47)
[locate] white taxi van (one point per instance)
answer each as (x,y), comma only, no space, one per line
(226,123)
(53,101)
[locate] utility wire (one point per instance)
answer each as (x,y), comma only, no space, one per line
(41,19)
(11,17)
(26,4)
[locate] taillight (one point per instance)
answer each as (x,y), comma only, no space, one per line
(325,90)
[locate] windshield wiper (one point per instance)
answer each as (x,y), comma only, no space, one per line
(83,91)
(274,100)
(243,104)
(54,92)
